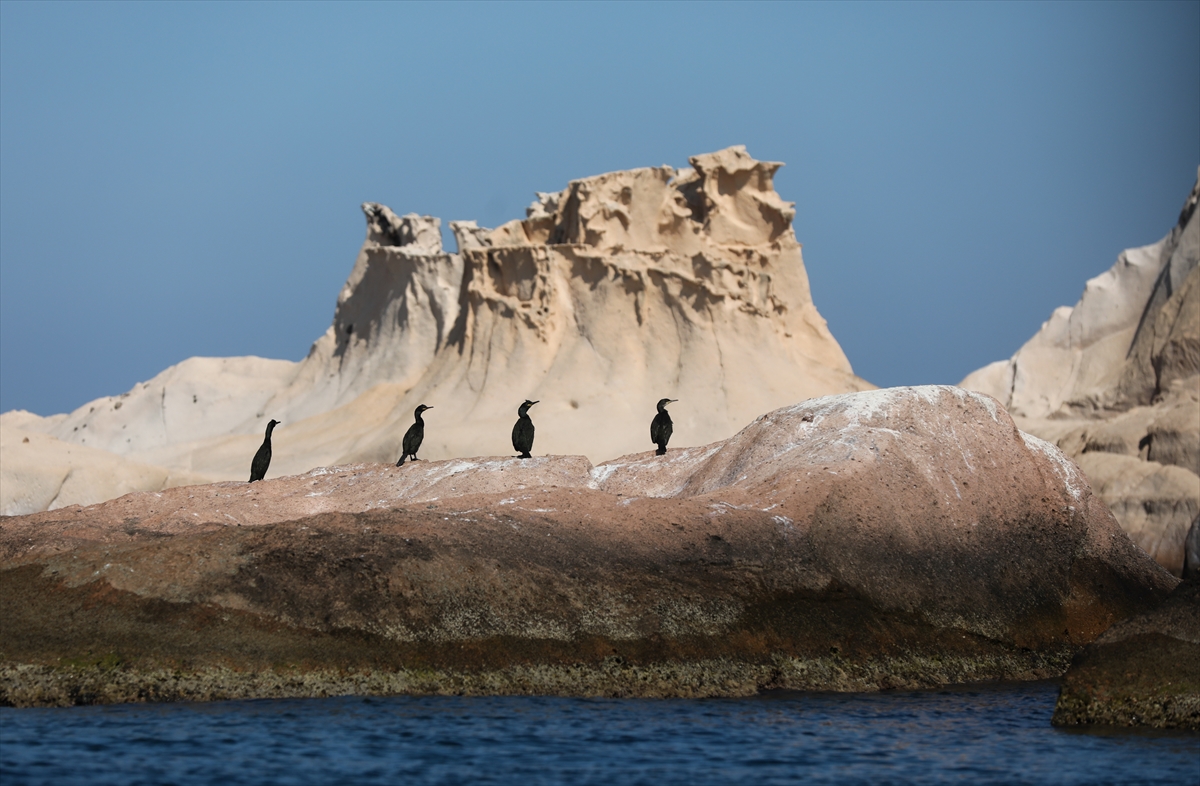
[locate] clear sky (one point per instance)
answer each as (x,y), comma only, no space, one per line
(182,179)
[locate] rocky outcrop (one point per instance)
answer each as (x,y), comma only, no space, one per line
(1144,671)
(903,537)
(621,289)
(1115,382)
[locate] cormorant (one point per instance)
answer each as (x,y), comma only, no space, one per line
(523,430)
(661,426)
(413,437)
(262,459)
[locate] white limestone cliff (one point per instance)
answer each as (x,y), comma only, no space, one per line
(621,289)
(1115,382)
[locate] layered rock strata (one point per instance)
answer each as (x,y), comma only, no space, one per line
(895,538)
(1144,671)
(622,289)
(1115,382)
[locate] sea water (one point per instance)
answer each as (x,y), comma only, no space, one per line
(977,734)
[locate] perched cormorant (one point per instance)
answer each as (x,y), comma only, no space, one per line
(413,437)
(262,459)
(523,430)
(661,426)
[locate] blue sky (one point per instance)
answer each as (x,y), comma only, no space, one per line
(182,179)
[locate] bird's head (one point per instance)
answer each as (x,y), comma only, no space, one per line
(662,403)
(525,407)
(421,409)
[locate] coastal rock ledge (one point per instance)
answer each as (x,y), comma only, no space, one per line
(895,538)
(1144,671)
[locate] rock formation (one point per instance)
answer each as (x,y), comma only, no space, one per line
(1144,671)
(1115,383)
(622,289)
(894,538)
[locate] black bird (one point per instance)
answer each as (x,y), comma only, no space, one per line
(262,459)
(523,430)
(413,437)
(661,427)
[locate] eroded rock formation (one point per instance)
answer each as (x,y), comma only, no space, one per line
(1115,382)
(622,289)
(903,537)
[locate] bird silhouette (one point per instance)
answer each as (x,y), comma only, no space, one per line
(262,459)
(413,437)
(661,427)
(523,430)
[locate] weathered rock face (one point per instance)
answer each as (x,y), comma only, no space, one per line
(1191,551)
(890,538)
(1115,382)
(620,290)
(40,471)
(1144,671)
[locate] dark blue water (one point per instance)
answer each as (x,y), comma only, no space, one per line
(993,734)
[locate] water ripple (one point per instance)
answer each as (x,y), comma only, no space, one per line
(984,735)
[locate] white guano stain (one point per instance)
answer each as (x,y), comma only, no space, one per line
(1063,467)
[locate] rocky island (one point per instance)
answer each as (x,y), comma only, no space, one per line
(803,530)
(895,538)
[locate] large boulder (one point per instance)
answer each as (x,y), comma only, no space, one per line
(621,289)
(1115,383)
(896,538)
